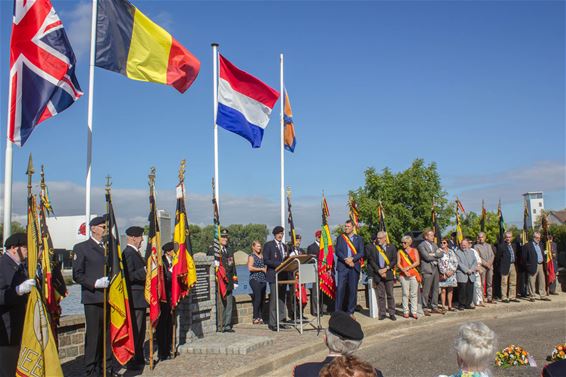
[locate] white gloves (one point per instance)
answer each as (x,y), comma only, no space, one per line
(25,287)
(216,263)
(102,282)
(235,286)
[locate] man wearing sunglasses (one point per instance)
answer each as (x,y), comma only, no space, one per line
(90,271)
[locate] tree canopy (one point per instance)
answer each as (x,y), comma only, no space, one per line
(240,236)
(407,198)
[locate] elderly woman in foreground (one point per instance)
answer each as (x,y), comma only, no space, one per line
(475,350)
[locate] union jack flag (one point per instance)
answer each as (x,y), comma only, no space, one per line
(42,68)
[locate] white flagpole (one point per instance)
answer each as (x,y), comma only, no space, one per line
(282,103)
(89,113)
(8,184)
(215,95)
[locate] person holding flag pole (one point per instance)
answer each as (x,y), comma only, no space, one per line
(38,352)
(155,291)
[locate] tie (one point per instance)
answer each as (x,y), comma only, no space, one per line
(281,250)
(101,244)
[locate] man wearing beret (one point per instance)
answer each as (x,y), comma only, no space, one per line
(274,252)
(135,272)
(342,338)
(14,289)
(164,331)
(226,258)
(349,250)
(90,271)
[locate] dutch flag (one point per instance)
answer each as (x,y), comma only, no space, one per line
(244,103)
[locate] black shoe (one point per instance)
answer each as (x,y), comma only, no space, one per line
(163,358)
(381,317)
(392,317)
(272,328)
(228,330)
(460,308)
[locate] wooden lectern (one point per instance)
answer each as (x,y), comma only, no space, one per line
(307,268)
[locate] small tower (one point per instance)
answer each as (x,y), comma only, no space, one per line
(535,206)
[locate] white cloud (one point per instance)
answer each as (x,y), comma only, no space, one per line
(77,23)
(131,207)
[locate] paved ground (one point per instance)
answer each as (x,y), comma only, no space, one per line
(427,351)
(537,326)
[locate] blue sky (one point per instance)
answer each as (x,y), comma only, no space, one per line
(477,87)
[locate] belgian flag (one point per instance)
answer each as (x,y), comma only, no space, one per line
(121,330)
(128,42)
(326,256)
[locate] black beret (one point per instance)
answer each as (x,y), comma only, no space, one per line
(15,240)
(278,229)
(168,247)
(134,231)
(97,220)
(224,232)
(344,326)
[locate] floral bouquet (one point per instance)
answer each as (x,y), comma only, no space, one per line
(558,353)
(512,356)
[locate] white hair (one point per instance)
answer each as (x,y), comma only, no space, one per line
(475,346)
(342,346)
(407,239)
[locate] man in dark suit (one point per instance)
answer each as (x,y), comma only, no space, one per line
(430,254)
(349,251)
(534,255)
(382,259)
(164,331)
(313,250)
(274,252)
(507,260)
(14,289)
(342,338)
(135,273)
(91,272)
(226,258)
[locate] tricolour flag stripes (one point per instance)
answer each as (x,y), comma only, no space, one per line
(244,103)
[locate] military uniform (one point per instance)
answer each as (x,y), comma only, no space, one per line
(12,312)
(89,265)
(135,273)
(164,331)
(226,259)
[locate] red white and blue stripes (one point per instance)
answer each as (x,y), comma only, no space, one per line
(244,103)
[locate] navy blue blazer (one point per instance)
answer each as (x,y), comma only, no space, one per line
(272,258)
(341,252)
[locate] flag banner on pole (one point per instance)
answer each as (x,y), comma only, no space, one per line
(460,206)
(38,353)
(524,232)
(483,217)
(289,130)
(155,281)
(326,256)
(436,227)
(131,44)
(501,222)
(121,330)
(42,68)
(354,214)
(221,277)
(550,272)
(459,234)
(54,287)
(292,231)
(183,275)
(381,221)
(244,103)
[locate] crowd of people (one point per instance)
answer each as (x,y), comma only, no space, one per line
(440,278)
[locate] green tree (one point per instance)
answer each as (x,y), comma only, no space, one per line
(471,226)
(406,197)
(15,228)
(241,236)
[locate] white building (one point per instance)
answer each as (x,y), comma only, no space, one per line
(535,206)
